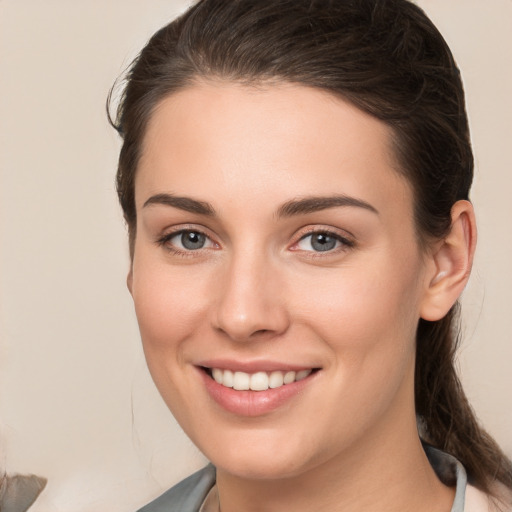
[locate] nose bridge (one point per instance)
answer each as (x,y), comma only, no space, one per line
(249,303)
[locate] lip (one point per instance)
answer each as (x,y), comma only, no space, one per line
(254,403)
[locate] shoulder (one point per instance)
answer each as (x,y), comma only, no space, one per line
(187,495)
(478,501)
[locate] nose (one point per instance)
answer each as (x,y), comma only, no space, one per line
(250,303)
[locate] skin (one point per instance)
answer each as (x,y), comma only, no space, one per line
(258,291)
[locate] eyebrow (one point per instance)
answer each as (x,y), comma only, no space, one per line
(291,208)
(314,204)
(183,203)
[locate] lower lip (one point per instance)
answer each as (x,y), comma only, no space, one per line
(254,403)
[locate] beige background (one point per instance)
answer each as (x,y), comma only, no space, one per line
(76,402)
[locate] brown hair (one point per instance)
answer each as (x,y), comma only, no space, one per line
(388,59)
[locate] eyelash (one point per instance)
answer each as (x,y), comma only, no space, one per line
(164,241)
(344,242)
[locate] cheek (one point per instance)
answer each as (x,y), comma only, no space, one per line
(168,305)
(367,318)
(368,327)
(354,304)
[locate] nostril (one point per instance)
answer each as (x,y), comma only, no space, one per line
(244,333)
(260,332)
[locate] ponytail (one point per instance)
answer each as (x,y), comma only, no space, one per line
(447,420)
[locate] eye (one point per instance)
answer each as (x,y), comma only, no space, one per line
(187,240)
(322,241)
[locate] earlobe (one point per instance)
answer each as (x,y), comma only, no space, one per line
(452,259)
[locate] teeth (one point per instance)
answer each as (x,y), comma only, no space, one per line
(302,374)
(289,377)
(259,381)
(241,381)
(228,378)
(276,380)
(218,375)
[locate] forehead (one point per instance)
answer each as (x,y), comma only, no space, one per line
(277,141)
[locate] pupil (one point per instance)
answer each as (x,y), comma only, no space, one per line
(322,242)
(192,240)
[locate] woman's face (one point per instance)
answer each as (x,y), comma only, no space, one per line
(276,251)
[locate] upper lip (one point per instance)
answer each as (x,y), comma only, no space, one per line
(254,366)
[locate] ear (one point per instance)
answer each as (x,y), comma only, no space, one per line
(451,260)
(129,279)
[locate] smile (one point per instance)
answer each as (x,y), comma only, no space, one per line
(259,381)
(255,388)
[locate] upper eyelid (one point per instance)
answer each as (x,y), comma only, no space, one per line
(344,237)
(337,232)
(170,233)
(180,228)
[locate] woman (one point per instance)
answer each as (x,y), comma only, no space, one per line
(295,178)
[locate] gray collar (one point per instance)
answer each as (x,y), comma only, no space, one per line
(451,472)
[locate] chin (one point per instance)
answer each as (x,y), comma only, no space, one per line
(251,469)
(265,460)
